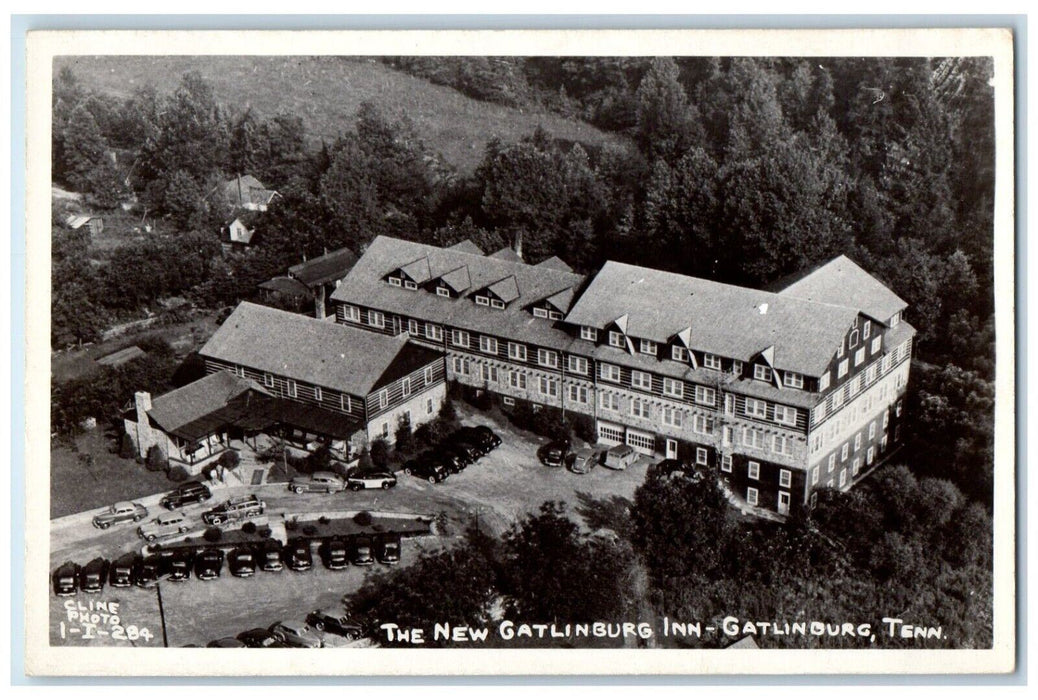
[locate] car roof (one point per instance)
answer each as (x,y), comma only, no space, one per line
(121,505)
(170,517)
(325,475)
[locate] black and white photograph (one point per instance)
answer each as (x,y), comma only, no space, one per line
(595,344)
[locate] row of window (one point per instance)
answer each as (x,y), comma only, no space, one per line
(753,471)
(480,299)
(753,498)
(861,381)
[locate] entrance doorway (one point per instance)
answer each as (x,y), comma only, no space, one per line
(672,449)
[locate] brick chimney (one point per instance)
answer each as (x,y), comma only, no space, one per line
(143,401)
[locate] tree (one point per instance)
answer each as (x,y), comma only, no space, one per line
(83,149)
(667,125)
(404,437)
(379,453)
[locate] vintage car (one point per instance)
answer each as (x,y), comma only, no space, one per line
(120,512)
(234,509)
(336,621)
(296,633)
(318,482)
(164,526)
(371,480)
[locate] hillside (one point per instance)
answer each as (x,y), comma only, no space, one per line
(326,92)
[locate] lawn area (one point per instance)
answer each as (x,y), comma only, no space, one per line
(78,484)
(326,91)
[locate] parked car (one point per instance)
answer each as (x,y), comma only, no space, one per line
(180,565)
(371,480)
(334,555)
(318,482)
(93,575)
(361,551)
(260,638)
(619,457)
(453,460)
(209,564)
(471,446)
(387,548)
(164,526)
(150,569)
(582,461)
(187,493)
(553,454)
(481,436)
(226,643)
(121,572)
(296,633)
(66,579)
(269,555)
(237,508)
(428,469)
(120,512)
(241,562)
(297,555)
(335,621)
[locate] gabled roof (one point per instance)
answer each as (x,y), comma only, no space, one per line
(418,270)
(507,289)
(561,300)
(189,410)
(306,349)
(458,279)
(246,189)
(507,254)
(121,357)
(555,263)
(466,246)
(324,269)
(840,281)
(286,285)
(725,320)
(365,285)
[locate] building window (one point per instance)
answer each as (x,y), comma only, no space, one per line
(785,415)
(814,475)
(794,380)
(352,313)
(508,401)
(383,398)
(872,430)
(785,478)
(428,407)
(577,394)
(672,417)
(706,396)
(609,401)
(753,470)
(673,387)
(408,284)
(756,408)
(857,442)
(823,382)
(648,347)
(517,351)
(886,419)
(588,333)
(845,451)
(376,319)
(838,399)
(870,455)
(780,444)
(460,338)
(866,330)
(702,455)
(616,339)
(317,393)
(555,315)
(291,386)
(443,292)
(482,300)
(877,343)
(639,408)
(832,463)
(434,332)
(853,339)
(428,375)
(737,368)
(679,353)
(703,425)
(577,365)
(268,380)
(711,361)
(488,373)
(548,386)
(609,372)
(344,403)
(405,386)
(412,327)
(488,345)
(751,496)
(539,312)
(385,430)
(547,358)
(497,303)
(517,380)
(843,478)
(641,380)
(461,365)
(859,356)
(726,463)
(762,372)
(752,438)
(395,281)
(842,370)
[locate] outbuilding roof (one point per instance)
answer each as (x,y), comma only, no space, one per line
(195,410)
(841,281)
(324,269)
(466,246)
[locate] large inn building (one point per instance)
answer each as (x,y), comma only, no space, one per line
(783,392)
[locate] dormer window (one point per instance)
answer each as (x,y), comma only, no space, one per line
(711,361)
(679,353)
(866,330)
(540,313)
(588,333)
(482,300)
(497,303)
(616,339)
(395,281)
(737,368)
(443,292)
(895,319)
(408,284)
(555,315)
(648,347)
(794,380)
(762,372)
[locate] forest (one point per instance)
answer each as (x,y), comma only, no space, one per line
(742,170)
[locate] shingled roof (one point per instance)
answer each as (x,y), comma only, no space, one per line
(365,285)
(466,246)
(195,409)
(840,281)
(303,348)
(324,269)
(725,320)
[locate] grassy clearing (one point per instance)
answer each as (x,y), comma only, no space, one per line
(326,92)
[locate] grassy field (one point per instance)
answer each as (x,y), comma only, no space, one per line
(326,92)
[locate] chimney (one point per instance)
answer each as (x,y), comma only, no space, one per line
(519,244)
(241,201)
(143,401)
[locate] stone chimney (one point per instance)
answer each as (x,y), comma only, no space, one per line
(143,401)
(519,244)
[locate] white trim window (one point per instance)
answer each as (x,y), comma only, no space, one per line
(785,415)
(317,393)
(859,356)
(345,403)
(497,304)
(517,380)
(845,451)
(517,351)
(706,396)
(461,365)
(673,387)
(488,373)
(410,284)
(785,478)
(443,292)
(762,372)
(290,388)
(647,347)
(823,382)
(672,417)
(428,375)
(412,326)
(588,333)
(376,319)
(351,313)
(405,386)
(711,361)
(383,398)
(577,393)
(704,425)
(737,368)
(679,353)
(832,463)
(814,475)
(756,408)
(268,380)
(870,455)
(726,463)
(702,456)
(872,430)
(751,495)
(843,369)
(610,373)
(781,444)
(547,386)
(794,380)
(866,330)
(460,338)
(576,365)
(857,442)
(547,358)
(752,438)
(877,343)
(639,408)
(753,470)
(555,315)
(395,282)
(539,312)
(609,401)
(641,380)
(433,332)
(482,300)
(616,339)
(843,478)
(488,344)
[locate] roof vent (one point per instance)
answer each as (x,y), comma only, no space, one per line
(762,309)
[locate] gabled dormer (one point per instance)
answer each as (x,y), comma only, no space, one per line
(499,294)
(555,306)
(764,367)
(412,275)
(681,347)
(455,283)
(616,334)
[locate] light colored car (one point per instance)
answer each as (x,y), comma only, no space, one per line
(582,461)
(371,480)
(296,633)
(319,482)
(235,509)
(121,512)
(166,525)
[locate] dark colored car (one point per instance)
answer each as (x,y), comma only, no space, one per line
(553,454)
(261,638)
(334,555)
(150,569)
(471,446)
(121,572)
(208,564)
(180,565)
(297,555)
(66,579)
(481,436)
(269,555)
(226,643)
(335,621)
(93,575)
(241,562)
(387,548)
(187,493)
(428,469)
(361,550)
(453,459)
(488,436)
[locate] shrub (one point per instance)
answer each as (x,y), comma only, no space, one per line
(249,528)
(291,525)
(404,437)
(310,530)
(364,461)
(230,460)
(265,531)
(178,474)
(156,461)
(127,450)
(379,453)
(448,413)
(324,520)
(584,428)
(362,518)
(213,534)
